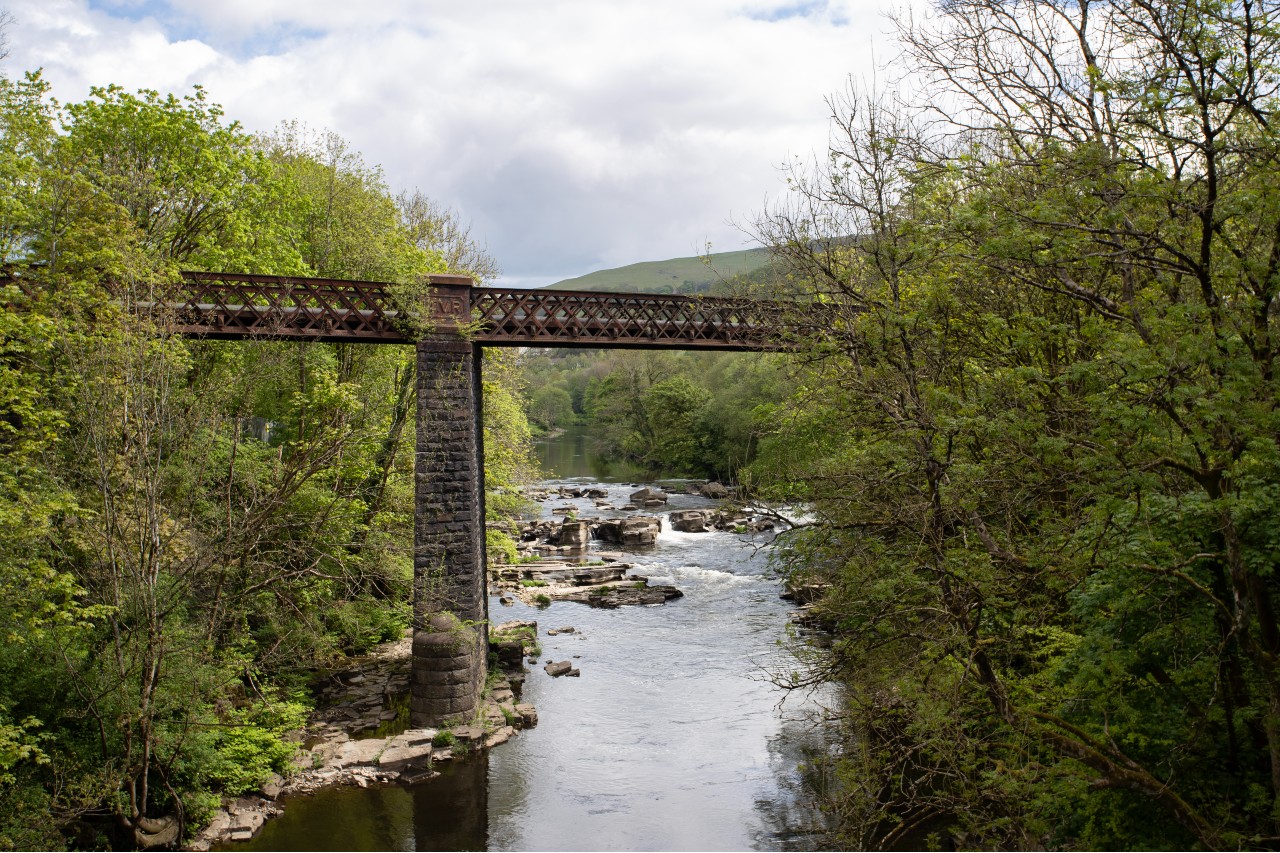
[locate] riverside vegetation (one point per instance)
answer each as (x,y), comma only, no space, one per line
(190,530)
(1041,435)
(1037,429)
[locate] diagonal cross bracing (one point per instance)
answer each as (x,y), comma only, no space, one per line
(232,305)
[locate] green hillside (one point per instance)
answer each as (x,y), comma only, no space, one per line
(677,275)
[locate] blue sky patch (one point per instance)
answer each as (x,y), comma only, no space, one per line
(180,26)
(791,10)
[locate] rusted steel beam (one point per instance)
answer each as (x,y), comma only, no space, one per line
(240,305)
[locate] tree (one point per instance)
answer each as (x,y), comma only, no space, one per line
(1047,298)
(551,407)
(437,228)
(191,527)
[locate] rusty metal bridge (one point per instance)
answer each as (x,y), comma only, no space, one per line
(450,577)
(233,305)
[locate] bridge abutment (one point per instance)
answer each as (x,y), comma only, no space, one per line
(450,636)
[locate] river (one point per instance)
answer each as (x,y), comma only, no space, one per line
(673,738)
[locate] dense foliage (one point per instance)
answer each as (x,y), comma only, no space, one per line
(189,528)
(686,414)
(1039,428)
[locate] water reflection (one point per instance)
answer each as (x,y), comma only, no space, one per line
(570,455)
(447,813)
(791,812)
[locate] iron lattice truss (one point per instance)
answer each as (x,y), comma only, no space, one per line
(567,318)
(228,305)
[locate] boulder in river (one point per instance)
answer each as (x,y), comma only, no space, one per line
(574,534)
(558,668)
(639,530)
(690,520)
(715,491)
(642,497)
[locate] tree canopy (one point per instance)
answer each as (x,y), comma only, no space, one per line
(1040,437)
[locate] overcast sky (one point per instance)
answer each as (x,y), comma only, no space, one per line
(574,136)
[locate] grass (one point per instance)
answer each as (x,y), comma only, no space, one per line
(542,600)
(530,583)
(676,275)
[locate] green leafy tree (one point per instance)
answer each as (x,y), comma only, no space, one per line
(190,526)
(1037,423)
(551,407)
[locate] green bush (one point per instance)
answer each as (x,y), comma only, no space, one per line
(359,625)
(248,747)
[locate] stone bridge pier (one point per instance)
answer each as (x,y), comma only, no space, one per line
(450,607)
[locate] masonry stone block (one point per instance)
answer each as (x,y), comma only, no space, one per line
(449,562)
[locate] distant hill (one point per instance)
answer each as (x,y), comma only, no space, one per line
(677,275)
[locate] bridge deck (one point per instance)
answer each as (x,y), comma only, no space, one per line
(230,305)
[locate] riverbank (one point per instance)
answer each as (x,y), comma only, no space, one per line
(359,736)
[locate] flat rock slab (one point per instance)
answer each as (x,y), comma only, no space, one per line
(359,753)
(413,737)
(558,668)
(397,759)
(637,592)
(501,735)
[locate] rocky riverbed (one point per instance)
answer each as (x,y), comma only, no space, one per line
(553,564)
(359,736)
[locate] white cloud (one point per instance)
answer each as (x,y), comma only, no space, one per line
(576,135)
